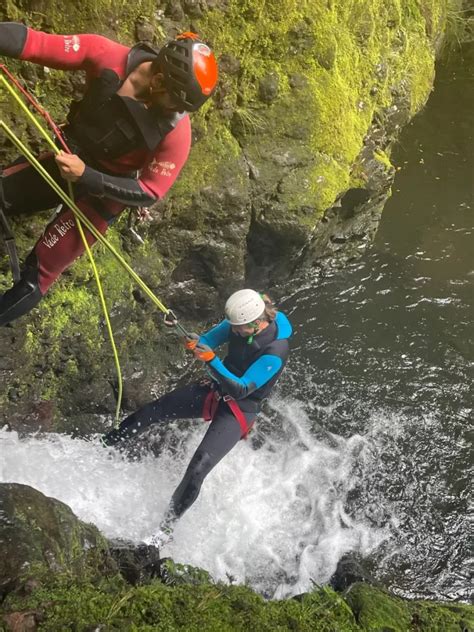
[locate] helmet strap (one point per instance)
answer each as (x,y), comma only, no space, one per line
(255,331)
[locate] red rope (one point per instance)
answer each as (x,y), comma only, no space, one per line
(38,107)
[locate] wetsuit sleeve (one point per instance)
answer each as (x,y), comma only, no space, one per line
(160,172)
(12,38)
(216,336)
(259,373)
(125,190)
(72,52)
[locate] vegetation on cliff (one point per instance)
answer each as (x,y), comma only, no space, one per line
(290,166)
(113,605)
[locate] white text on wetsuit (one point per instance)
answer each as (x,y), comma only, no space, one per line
(61,228)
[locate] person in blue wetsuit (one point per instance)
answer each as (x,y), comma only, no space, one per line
(257,338)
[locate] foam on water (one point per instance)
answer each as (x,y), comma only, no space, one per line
(270,514)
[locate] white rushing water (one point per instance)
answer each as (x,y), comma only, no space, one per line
(273,517)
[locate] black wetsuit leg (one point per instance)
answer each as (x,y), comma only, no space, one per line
(183,403)
(223,434)
(25,192)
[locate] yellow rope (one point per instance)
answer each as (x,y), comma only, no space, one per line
(46,136)
(35,163)
(84,219)
(106,315)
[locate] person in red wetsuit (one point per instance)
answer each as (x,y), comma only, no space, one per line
(130,135)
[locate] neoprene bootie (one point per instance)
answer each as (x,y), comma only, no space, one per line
(22,297)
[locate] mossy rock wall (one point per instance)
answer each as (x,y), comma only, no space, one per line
(290,168)
(40,537)
(56,575)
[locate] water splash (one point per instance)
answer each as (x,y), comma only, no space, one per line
(271,514)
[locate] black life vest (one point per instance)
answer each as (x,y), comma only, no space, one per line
(107,126)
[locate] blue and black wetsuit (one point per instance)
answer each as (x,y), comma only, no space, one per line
(247,374)
(249,371)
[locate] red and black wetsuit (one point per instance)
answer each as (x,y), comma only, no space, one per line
(132,154)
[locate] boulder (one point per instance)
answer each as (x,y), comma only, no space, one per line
(41,537)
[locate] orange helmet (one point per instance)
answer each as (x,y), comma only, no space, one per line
(190,70)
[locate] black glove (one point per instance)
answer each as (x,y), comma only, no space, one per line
(12,38)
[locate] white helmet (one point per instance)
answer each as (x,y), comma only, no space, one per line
(244,307)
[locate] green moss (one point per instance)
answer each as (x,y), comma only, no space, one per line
(174,574)
(375,610)
(218,607)
(454,617)
(353,56)
(382,157)
(184,607)
(378,611)
(70,322)
(45,538)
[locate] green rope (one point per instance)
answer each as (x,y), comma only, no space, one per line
(31,116)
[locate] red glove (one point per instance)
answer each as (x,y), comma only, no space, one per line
(204,353)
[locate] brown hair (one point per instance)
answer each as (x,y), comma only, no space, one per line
(270,309)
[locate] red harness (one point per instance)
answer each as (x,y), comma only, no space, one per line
(210,407)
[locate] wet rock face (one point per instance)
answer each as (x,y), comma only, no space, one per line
(40,537)
(268,88)
(351,569)
(140,564)
(144,30)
